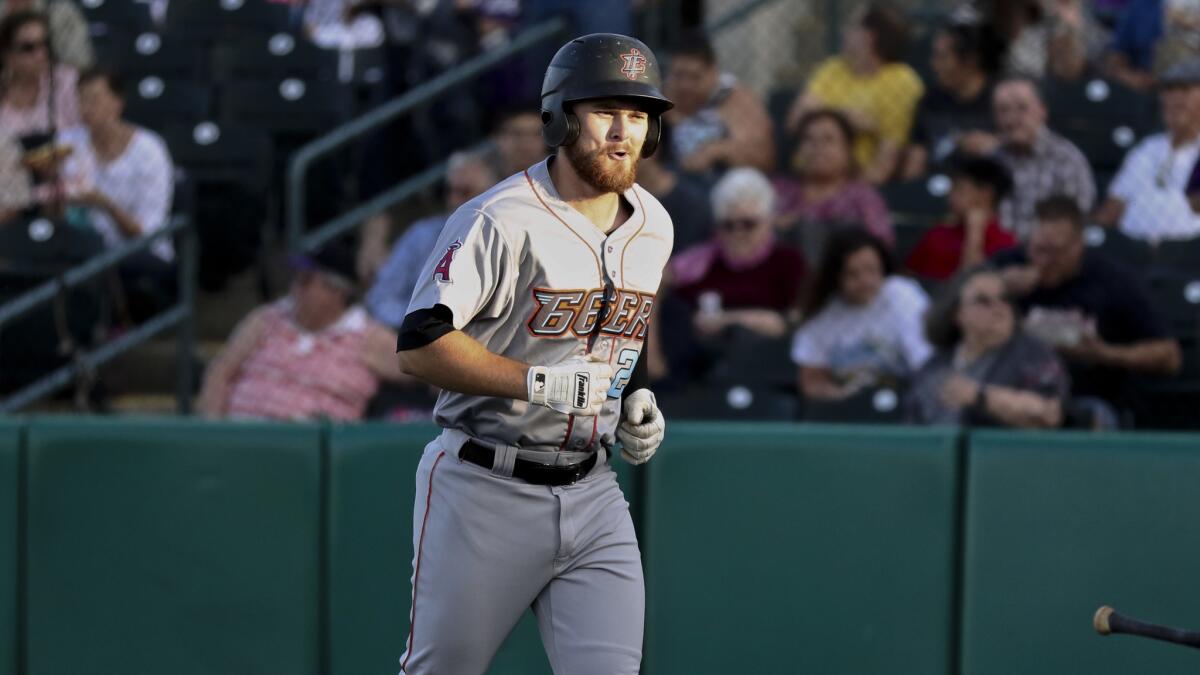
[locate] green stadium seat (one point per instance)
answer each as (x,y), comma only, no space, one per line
(115,16)
(288,105)
(208,152)
(156,102)
(273,58)
(221,18)
(921,200)
(729,402)
(1114,244)
(870,406)
(150,53)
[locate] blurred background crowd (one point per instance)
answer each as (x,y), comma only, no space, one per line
(981,213)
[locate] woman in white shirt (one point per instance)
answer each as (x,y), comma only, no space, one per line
(862,324)
(128,180)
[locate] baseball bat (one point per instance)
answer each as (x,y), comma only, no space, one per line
(1108,621)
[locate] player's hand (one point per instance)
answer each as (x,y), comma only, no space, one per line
(577,386)
(642,427)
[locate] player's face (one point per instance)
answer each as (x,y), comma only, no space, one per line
(1056,250)
(862,276)
(611,134)
(984,313)
(98,105)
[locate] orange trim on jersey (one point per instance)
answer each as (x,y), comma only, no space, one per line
(412,617)
(635,234)
(532,188)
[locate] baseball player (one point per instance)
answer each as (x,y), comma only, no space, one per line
(531,314)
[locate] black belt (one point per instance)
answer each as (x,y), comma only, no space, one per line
(527,470)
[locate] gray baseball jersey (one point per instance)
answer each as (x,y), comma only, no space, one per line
(526,275)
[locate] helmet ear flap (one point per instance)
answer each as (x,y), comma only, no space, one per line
(653,135)
(559,127)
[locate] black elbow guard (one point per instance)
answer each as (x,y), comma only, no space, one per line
(424,326)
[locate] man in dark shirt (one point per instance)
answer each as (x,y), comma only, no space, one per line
(1094,311)
(956,112)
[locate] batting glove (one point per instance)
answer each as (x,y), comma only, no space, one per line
(642,428)
(576,386)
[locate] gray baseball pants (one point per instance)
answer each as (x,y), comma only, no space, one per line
(487,546)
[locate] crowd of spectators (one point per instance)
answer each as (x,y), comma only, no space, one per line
(996,312)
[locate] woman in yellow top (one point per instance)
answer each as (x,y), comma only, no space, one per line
(870,84)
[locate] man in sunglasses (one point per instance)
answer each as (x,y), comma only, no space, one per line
(530,315)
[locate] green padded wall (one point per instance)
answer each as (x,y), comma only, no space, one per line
(790,549)
(1059,524)
(172,547)
(371,487)
(10,439)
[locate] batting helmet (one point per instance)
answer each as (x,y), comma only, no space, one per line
(600,65)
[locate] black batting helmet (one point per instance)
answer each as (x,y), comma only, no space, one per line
(600,65)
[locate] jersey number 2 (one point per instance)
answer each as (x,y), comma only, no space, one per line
(625,362)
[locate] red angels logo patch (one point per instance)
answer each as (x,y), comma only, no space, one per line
(441,272)
(635,64)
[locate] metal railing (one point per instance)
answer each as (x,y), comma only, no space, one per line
(417,97)
(180,314)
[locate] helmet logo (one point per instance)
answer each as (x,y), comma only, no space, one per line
(635,64)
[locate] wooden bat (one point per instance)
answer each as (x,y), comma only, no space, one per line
(1108,621)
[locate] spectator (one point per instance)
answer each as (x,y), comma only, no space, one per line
(341,24)
(69,36)
(37,95)
(1092,310)
(1147,197)
(985,372)
(825,187)
(716,123)
(682,197)
(870,84)
(1130,59)
(518,139)
(744,275)
(861,323)
(1056,38)
(974,231)
(468,175)
(312,354)
(956,112)
(1042,162)
(128,182)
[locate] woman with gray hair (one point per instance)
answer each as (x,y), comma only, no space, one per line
(742,277)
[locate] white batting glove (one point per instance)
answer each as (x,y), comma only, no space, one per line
(642,427)
(576,386)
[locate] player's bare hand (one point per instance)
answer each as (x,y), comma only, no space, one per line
(577,386)
(642,427)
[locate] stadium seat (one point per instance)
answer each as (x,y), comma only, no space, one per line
(225,17)
(1176,295)
(208,152)
(729,403)
(156,102)
(1112,243)
(1103,118)
(274,58)
(752,360)
(907,235)
(923,199)
(1180,255)
(286,105)
(779,102)
(115,16)
(152,53)
(870,406)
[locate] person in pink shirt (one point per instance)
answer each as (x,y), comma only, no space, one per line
(315,353)
(824,187)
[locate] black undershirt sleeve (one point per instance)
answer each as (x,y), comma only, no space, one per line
(424,326)
(640,377)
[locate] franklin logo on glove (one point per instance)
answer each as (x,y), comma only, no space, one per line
(581,390)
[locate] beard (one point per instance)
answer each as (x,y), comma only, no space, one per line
(599,172)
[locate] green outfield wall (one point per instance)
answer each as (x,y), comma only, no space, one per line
(177,546)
